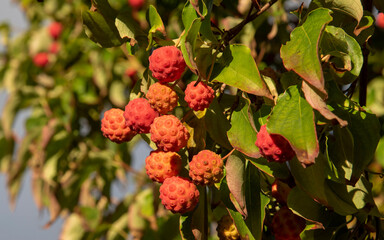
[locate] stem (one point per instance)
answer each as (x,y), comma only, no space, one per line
(231,33)
(229,154)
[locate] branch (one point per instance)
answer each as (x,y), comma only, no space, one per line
(231,33)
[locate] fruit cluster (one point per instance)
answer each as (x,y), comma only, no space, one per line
(152,115)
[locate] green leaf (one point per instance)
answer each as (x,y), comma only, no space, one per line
(217,124)
(256,201)
(237,68)
(72,228)
(101,30)
(346,56)
(242,134)
(241,226)
(364,126)
(186,227)
(297,126)
(273,169)
(188,44)
(379,155)
(340,157)
(91,215)
(303,205)
(301,53)
(352,8)
(156,24)
(235,175)
(128,28)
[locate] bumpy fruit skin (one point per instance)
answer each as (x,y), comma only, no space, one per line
(136,4)
(274,148)
(167,64)
(199,97)
(226,229)
(162,165)
(380,20)
(179,195)
(169,134)
(41,59)
(55,29)
(139,115)
(206,168)
(113,126)
(162,98)
(286,225)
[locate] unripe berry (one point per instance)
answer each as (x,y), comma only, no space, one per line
(162,165)
(162,98)
(55,29)
(226,229)
(199,97)
(167,64)
(206,168)
(41,59)
(169,134)
(113,126)
(139,115)
(179,195)
(136,4)
(273,147)
(286,225)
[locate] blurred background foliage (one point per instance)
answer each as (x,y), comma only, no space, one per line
(73,166)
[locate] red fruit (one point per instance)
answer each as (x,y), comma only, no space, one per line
(226,229)
(273,147)
(380,20)
(139,115)
(54,48)
(280,191)
(206,168)
(162,165)
(130,72)
(179,195)
(113,126)
(162,98)
(41,59)
(198,97)
(286,225)
(55,29)
(136,4)
(167,64)
(169,134)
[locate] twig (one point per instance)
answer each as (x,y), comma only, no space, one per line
(231,33)
(229,154)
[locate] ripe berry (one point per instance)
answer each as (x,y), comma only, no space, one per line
(167,64)
(139,115)
(113,126)
(161,165)
(226,229)
(286,225)
(136,4)
(41,59)
(273,147)
(162,98)
(169,134)
(198,97)
(206,168)
(380,20)
(55,29)
(179,195)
